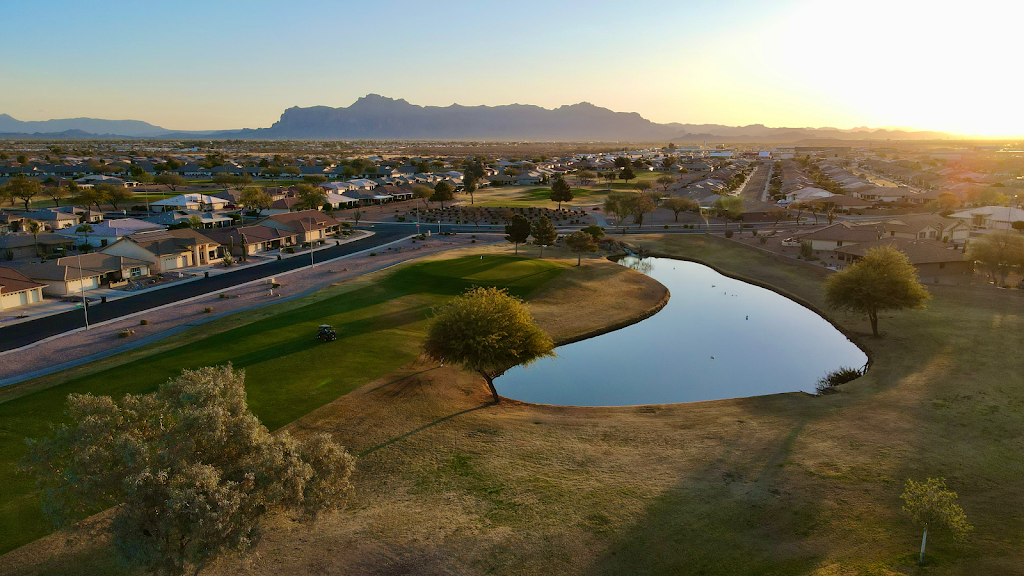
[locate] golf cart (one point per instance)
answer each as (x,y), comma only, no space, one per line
(327,333)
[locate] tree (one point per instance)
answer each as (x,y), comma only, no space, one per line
(627,174)
(34,228)
(120,194)
(947,201)
(170,180)
(255,199)
(932,505)
(618,204)
(638,205)
(1018,225)
(585,177)
(517,231)
(314,179)
(357,216)
(140,175)
(884,279)
(622,162)
(292,171)
(729,206)
(274,172)
(610,177)
(561,192)
(594,230)
(423,193)
(443,192)
(310,197)
(998,252)
(469,185)
(665,181)
(103,193)
(488,331)
(56,193)
(85,230)
(194,471)
(580,242)
(544,233)
(23,188)
(679,204)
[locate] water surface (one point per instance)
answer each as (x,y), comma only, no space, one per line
(716,338)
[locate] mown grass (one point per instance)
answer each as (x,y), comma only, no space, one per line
(288,371)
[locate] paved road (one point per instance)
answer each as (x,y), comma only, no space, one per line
(25,333)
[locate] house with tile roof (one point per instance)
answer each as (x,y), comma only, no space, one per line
(168,249)
(18,290)
(935,261)
(73,274)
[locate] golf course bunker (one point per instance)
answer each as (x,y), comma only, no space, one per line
(717,338)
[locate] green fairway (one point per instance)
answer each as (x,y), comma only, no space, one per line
(288,371)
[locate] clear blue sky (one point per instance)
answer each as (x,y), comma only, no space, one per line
(205,65)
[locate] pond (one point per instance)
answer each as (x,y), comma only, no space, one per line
(717,337)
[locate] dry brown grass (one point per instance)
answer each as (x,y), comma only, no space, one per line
(449,483)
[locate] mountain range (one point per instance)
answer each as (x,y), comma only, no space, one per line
(375,117)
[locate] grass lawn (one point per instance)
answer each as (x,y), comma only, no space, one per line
(288,372)
(784,484)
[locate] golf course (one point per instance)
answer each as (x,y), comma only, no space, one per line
(448,482)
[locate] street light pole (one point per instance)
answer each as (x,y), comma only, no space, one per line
(81,286)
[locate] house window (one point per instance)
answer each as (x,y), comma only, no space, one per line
(134,272)
(103,242)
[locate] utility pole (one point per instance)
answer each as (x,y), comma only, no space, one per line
(81,286)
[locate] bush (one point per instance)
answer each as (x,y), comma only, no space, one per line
(763,239)
(472,241)
(228,260)
(143,322)
(807,250)
(207,310)
(827,383)
(594,230)
(124,333)
(373,253)
(289,250)
(666,226)
(346,224)
(728,233)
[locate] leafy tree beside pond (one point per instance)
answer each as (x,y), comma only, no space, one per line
(884,279)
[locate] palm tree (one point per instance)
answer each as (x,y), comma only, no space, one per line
(84,229)
(34,229)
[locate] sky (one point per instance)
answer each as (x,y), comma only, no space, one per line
(190,65)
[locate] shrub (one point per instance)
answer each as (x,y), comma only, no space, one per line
(728,233)
(289,250)
(763,239)
(228,260)
(346,224)
(666,226)
(143,322)
(827,383)
(373,253)
(472,241)
(207,310)
(807,250)
(124,333)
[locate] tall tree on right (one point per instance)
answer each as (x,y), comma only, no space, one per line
(561,192)
(998,253)
(932,505)
(884,279)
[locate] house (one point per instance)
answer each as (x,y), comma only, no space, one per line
(843,203)
(109,232)
(990,217)
(10,222)
(254,239)
(74,274)
(17,290)
(840,234)
(340,201)
(309,225)
(168,249)
(192,201)
(935,261)
(94,179)
(206,220)
(884,194)
(23,245)
(64,217)
(927,227)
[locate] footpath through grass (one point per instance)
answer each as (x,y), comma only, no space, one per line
(288,371)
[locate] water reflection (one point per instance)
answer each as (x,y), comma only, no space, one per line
(717,338)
